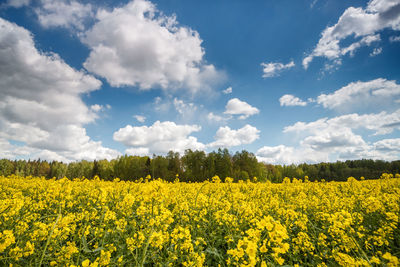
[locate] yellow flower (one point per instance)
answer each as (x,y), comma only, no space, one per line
(263,249)
(391,259)
(86,263)
(6,239)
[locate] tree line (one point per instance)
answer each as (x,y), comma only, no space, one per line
(198,166)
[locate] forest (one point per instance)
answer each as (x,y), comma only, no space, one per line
(198,166)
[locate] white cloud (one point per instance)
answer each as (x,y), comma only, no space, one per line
(226,137)
(291,100)
(184,108)
(376,52)
(40,100)
(212,117)
(140,151)
(329,139)
(386,149)
(394,39)
(357,23)
(96,108)
(227,91)
(135,45)
(17,3)
(289,155)
(365,41)
(140,118)
(273,69)
(160,137)
(9,151)
(378,92)
(64,13)
(275,154)
(335,138)
(388,145)
(380,123)
(238,107)
(161,105)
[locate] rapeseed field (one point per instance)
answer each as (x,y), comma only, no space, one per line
(149,222)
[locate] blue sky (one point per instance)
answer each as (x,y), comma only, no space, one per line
(290,81)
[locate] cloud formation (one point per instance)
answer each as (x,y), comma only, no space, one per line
(388,145)
(362,24)
(136,45)
(216,118)
(40,100)
(273,69)
(238,107)
(337,139)
(291,100)
(184,108)
(379,92)
(282,154)
(379,123)
(64,13)
(227,137)
(160,137)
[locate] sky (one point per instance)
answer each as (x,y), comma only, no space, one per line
(290,81)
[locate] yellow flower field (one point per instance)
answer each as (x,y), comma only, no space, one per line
(97,223)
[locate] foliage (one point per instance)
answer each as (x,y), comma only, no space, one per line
(197,166)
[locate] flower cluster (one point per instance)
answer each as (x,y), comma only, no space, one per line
(84,222)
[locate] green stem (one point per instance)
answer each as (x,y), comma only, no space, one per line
(49,238)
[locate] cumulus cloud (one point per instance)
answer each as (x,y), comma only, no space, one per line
(379,123)
(160,137)
(388,145)
(327,139)
(10,151)
(136,45)
(385,149)
(360,23)
(289,155)
(64,13)
(378,92)
(227,137)
(275,154)
(140,151)
(40,100)
(331,138)
(68,14)
(291,100)
(238,107)
(227,91)
(273,69)
(336,139)
(295,155)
